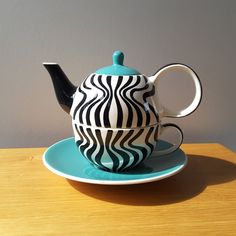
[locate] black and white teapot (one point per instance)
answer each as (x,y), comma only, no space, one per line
(115,118)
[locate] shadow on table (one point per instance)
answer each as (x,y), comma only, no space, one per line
(200,172)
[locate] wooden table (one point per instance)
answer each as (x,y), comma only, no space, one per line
(200,200)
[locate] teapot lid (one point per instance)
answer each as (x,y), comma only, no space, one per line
(117,68)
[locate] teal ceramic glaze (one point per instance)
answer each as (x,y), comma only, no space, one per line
(62,159)
(118,67)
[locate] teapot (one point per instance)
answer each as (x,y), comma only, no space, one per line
(116,115)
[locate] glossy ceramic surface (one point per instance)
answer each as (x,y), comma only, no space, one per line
(115,112)
(62,159)
(115,149)
(118,67)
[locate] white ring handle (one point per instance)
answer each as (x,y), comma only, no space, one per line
(174,146)
(198,89)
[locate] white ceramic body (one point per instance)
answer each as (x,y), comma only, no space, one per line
(116,122)
(115,102)
(115,149)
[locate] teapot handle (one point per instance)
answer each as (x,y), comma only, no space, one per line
(198,89)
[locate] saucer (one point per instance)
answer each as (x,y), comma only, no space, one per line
(64,159)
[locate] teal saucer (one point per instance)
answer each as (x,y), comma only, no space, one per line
(65,160)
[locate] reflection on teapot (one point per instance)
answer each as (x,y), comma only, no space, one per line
(115,118)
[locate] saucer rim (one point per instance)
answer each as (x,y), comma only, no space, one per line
(110,182)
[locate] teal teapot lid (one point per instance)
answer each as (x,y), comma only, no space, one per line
(118,67)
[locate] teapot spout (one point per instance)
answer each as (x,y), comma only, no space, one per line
(64,89)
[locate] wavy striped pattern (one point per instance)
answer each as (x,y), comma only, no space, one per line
(115,102)
(115,150)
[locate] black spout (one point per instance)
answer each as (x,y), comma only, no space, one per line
(64,89)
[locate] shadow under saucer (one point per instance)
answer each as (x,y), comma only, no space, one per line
(200,172)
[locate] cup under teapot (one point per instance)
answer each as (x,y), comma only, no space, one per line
(118,149)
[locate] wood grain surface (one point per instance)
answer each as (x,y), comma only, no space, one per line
(199,200)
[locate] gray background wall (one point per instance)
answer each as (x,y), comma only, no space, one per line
(81,36)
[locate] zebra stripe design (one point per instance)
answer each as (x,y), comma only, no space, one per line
(115,102)
(115,149)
